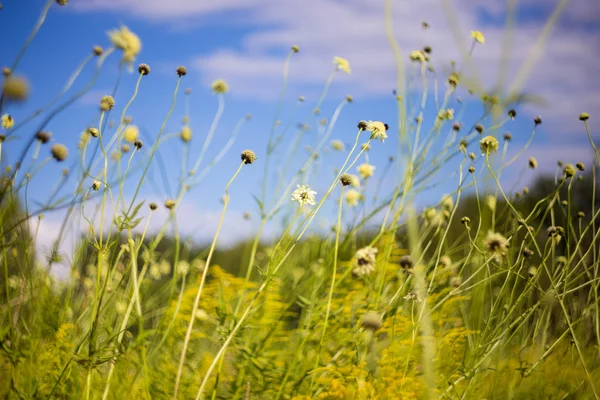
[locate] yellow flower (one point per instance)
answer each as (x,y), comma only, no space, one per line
(488,145)
(186,134)
(337,145)
(417,56)
(353,197)
(131,133)
(129,42)
(478,36)
(342,64)
(7,121)
(365,170)
(220,86)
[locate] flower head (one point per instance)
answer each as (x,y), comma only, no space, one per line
(353,197)
(337,145)
(417,56)
(15,88)
(341,64)
(365,170)
(478,36)
(220,86)
(107,103)
(584,116)
(378,130)
(365,260)
(7,121)
(533,163)
(495,244)
(371,320)
(488,145)
(131,133)
(144,69)
(186,133)
(248,156)
(43,137)
(129,42)
(303,195)
(181,71)
(59,152)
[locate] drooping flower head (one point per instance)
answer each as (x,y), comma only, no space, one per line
(304,195)
(341,64)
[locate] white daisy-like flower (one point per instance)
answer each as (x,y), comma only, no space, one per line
(378,130)
(365,260)
(365,170)
(303,195)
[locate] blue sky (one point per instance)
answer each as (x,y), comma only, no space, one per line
(245,42)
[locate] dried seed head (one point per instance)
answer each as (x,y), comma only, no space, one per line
(471,169)
(170,204)
(59,152)
(153,206)
(362,125)
(295,49)
(97,50)
(181,71)
(533,163)
(427,49)
(580,166)
(472,156)
(248,156)
(456,126)
(453,80)
(525,190)
(96,185)
(138,144)
(372,321)
(580,214)
(584,116)
(144,69)
(527,252)
(15,89)
(346,179)
(479,128)
(349,99)
(466,221)
(512,113)
(2,138)
(43,137)
(537,120)
(62,2)
(107,103)
(507,136)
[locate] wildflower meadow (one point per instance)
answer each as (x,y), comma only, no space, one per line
(417,249)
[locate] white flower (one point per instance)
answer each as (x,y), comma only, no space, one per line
(303,195)
(378,130)
(365,259)
(353,197)
(365,170)
(183,268)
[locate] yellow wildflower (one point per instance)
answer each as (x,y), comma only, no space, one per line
(478,36)
(342,64)
(129,42)
(131,133)
(7,121)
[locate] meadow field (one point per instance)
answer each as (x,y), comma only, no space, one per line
(417,250)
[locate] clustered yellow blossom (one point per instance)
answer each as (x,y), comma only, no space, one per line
(7,121)
(131,133)
(488,145)
(478,36)
(353,197)
(129,42)
(341,64)
(220,86)
(365,170)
